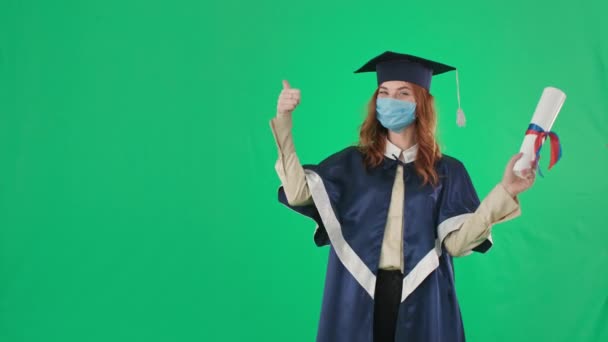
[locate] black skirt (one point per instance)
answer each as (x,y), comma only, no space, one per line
(386,304)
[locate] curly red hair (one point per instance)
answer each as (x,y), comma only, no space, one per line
(372,136)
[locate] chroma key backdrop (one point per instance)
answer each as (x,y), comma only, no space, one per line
(138,195)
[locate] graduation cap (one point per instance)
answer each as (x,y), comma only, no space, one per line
(393,66)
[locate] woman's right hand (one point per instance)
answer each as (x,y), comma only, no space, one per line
(289,99)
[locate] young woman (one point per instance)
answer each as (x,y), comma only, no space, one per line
(394,211)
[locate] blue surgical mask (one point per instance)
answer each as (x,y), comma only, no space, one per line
(395,114)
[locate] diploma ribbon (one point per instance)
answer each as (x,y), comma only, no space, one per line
(541,134)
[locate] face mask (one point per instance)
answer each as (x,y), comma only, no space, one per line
(395,114)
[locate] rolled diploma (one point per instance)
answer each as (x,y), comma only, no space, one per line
(544,116)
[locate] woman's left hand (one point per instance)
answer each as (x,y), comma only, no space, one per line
(514,184)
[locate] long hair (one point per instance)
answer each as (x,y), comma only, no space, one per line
(372,136)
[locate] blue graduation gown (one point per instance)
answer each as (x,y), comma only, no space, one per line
(350,208)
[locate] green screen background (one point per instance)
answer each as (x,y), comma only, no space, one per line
(137,182)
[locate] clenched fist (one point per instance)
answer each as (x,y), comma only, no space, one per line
(289,99)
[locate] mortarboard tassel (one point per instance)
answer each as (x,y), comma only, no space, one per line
(461,120)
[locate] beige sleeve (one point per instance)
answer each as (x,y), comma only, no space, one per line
(288,167)
(498,206)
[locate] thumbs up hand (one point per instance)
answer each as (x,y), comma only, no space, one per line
(289,99)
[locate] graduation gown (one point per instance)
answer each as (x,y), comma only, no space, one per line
(350,208)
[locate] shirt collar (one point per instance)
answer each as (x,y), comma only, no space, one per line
(406,156)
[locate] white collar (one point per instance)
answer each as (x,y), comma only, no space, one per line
(406,156)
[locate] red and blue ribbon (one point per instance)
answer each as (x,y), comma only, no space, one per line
(541,134)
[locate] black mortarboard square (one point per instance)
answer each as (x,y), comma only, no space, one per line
(392,66)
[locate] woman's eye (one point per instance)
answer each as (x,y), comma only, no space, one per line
(405,94)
